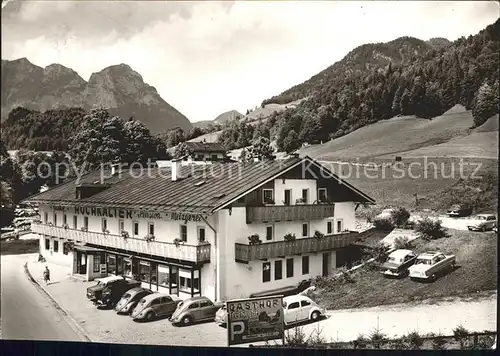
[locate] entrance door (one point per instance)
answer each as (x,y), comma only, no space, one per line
(82,258)
(288,196)
(173,280)
(326,264)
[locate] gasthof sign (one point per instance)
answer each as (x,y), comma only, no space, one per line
(255,319)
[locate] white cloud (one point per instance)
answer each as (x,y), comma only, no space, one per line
(206,58)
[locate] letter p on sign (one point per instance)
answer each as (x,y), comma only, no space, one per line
(237,328)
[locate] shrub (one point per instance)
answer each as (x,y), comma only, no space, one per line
(377,337)
(296,337)
(383,224)
(380,252)
(289,237)
(461,334)
(400,216)
(429,229)
(414,340)
(254,239)
(318,234)
(438,342)
(361,342)
(402,243)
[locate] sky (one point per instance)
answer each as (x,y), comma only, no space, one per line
(205,58)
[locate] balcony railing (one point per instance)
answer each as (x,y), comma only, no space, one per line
(274,213)
(184,252)
(246,253)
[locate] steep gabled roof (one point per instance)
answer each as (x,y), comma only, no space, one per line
(200,190)
(205,146)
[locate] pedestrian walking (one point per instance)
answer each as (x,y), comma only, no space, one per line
(46,275)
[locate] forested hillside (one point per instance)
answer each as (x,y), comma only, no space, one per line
(378,81)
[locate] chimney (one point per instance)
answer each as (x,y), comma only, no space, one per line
(176,169)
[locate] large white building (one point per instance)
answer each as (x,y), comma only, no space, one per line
(187,230)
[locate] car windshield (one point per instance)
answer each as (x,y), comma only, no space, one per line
(423,262)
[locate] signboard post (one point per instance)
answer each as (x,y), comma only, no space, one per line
(255,319)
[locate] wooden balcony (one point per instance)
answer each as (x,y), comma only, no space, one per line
(274,213)
(184,252)
(246,253)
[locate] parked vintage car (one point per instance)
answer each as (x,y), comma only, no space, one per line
(431,264)
(194,310)
(221,316)
(459,210)
(129,300)
(298,308)
(398,262)
(114,291)
(482,222)
(95,292)
(154,306)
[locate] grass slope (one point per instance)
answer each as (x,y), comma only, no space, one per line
(476,255)
(394,136)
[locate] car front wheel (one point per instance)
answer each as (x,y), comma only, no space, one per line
(150,315)
(187,320)
(315,315)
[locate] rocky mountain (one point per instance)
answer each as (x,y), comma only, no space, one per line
(365,58)
(118,88)
(221,119)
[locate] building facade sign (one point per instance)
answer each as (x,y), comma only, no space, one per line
(255,319)
(132,214)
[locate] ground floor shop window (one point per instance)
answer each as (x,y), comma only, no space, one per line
(167,275)
(188,281)
(97,263)
(56,246)
(119,265)
(127,266)
(111,262)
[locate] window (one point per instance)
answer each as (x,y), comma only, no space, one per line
(269,232)
(164,300)
(75,222)
(55,219)
(289,267)
(156,301)
(304,303)
(339,225)
(288,196)
(97,263)
(136,228)
(305,264)
(121,226)
(490,218)
(86,222)
(268,196)
(65,219)
(305,229)
(127,267)
(201,234)
(278,269)
(119,265)
(104,224)
(194,306)
(329,227)
(56,246)
(163,276)
(144,271)
(322,194)
(266,272)
(151,229)
(214,157)
(47,244)
(293,305)
(184,233)
(45,218)
(305,196)
(205,303)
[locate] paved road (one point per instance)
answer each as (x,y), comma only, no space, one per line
(25,312)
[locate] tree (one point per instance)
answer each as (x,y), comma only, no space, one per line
(485,104)
(182,150)
(245,155)
(175,136)
(262,150)
(291,142)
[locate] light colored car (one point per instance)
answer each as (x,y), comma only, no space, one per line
(193,310)
(482,222)
(154,306)
(221,316)
(298,308)
(94,292)
(398,262)
(130,299)
(431,264)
